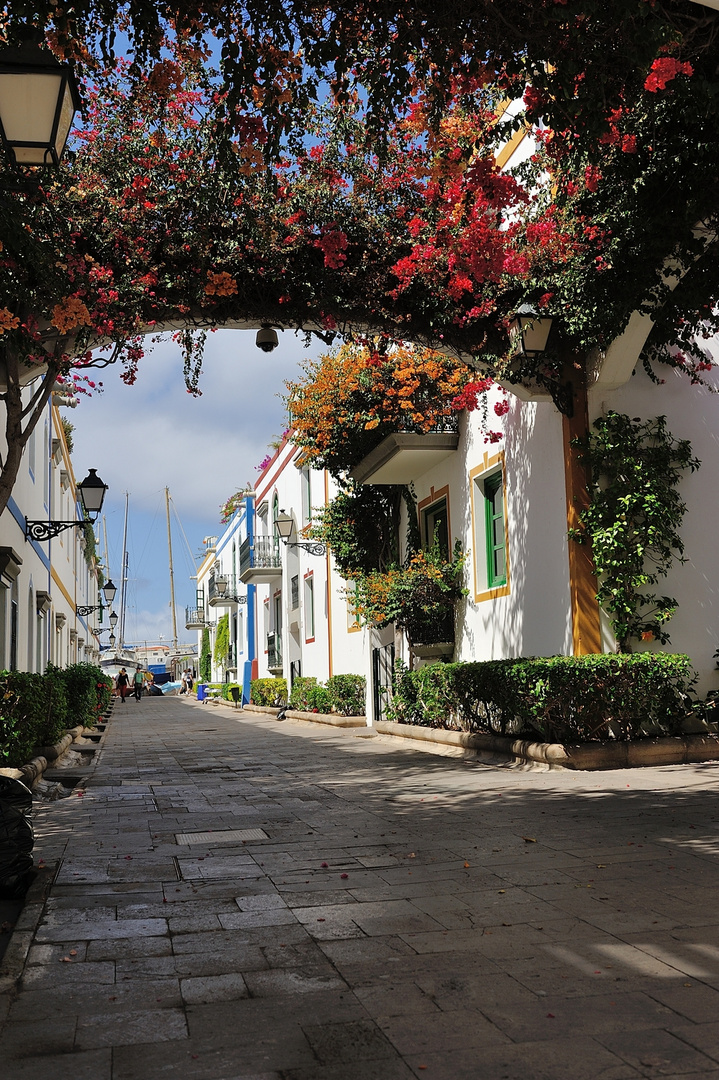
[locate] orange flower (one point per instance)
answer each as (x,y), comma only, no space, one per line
(8,321)
(70,313)
(222,284)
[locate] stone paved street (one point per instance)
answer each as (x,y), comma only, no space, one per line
(398,915)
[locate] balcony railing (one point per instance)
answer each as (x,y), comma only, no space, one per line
(274,652)
(231,663)
(221,589)
(194,618)
(262,554)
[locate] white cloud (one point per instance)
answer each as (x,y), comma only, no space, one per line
(153,435)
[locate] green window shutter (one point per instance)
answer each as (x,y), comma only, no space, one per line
(495,531)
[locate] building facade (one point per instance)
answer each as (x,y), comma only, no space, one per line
(46,586)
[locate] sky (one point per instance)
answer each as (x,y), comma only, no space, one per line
(154,434)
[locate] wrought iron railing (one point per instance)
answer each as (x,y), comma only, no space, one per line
(262,554)
(194,618)
(274,651)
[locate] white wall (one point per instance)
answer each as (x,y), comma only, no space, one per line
(692,413)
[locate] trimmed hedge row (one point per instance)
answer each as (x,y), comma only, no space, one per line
(342,694)
(268,692)
(36,709)
(556,699)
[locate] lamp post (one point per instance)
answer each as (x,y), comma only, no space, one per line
(285,526)
(109,591)
(92,494)
(38,99)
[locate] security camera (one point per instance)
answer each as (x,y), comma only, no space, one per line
(266,339)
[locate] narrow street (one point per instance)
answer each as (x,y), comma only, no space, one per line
(241,899)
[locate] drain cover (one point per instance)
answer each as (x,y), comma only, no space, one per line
(228,836)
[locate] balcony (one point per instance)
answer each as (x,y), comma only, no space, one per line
(222,590)
(274,653)
(260,562)
(195,618)
(405,456)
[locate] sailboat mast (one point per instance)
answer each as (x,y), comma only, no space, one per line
(172,573)
(123,583)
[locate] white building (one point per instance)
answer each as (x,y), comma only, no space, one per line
(46,586)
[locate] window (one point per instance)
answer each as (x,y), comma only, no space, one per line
(353,622)
(295,592)
(435,526)
(489,529)
(495,531)
(46,468)
(306,481)
(309,608)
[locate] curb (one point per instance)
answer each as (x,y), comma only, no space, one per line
(13,962)
(679,750)
(33,770)
(330,719)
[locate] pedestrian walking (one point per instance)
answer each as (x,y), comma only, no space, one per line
(122,683)
(189,680)
(138,682)
(183,681)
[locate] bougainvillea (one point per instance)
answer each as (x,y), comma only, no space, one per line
(350,399)
(418,598)
(198,201)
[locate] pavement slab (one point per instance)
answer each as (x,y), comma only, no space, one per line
(400,914)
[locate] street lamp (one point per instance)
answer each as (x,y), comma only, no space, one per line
(38,100)
(114,619)
(221,590)
(285,525)
(92,494)
(109,591)
(529,334)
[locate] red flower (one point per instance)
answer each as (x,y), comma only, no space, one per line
(663,71)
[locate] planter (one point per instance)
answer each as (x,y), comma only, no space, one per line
(439,648)
(495,749)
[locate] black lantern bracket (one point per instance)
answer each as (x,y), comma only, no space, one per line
(48,530)
(284,526)
(311,549)
(87,609)
(92,495)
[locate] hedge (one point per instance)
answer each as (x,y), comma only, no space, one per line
(348,693)
(308,695)
(555,699)
(36,709)
(343,694)
(268,692)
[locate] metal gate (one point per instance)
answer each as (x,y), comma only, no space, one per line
(295,671)
(382,679)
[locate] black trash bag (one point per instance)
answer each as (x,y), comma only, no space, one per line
(16,837)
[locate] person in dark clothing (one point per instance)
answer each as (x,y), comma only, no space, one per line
(122,684)
(138,681)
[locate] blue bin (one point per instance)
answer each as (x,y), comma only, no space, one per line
(201,691)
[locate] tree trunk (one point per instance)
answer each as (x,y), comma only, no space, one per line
(15,434)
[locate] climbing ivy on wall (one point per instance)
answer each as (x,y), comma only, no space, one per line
(633,520)
(205,657)
(222,641)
